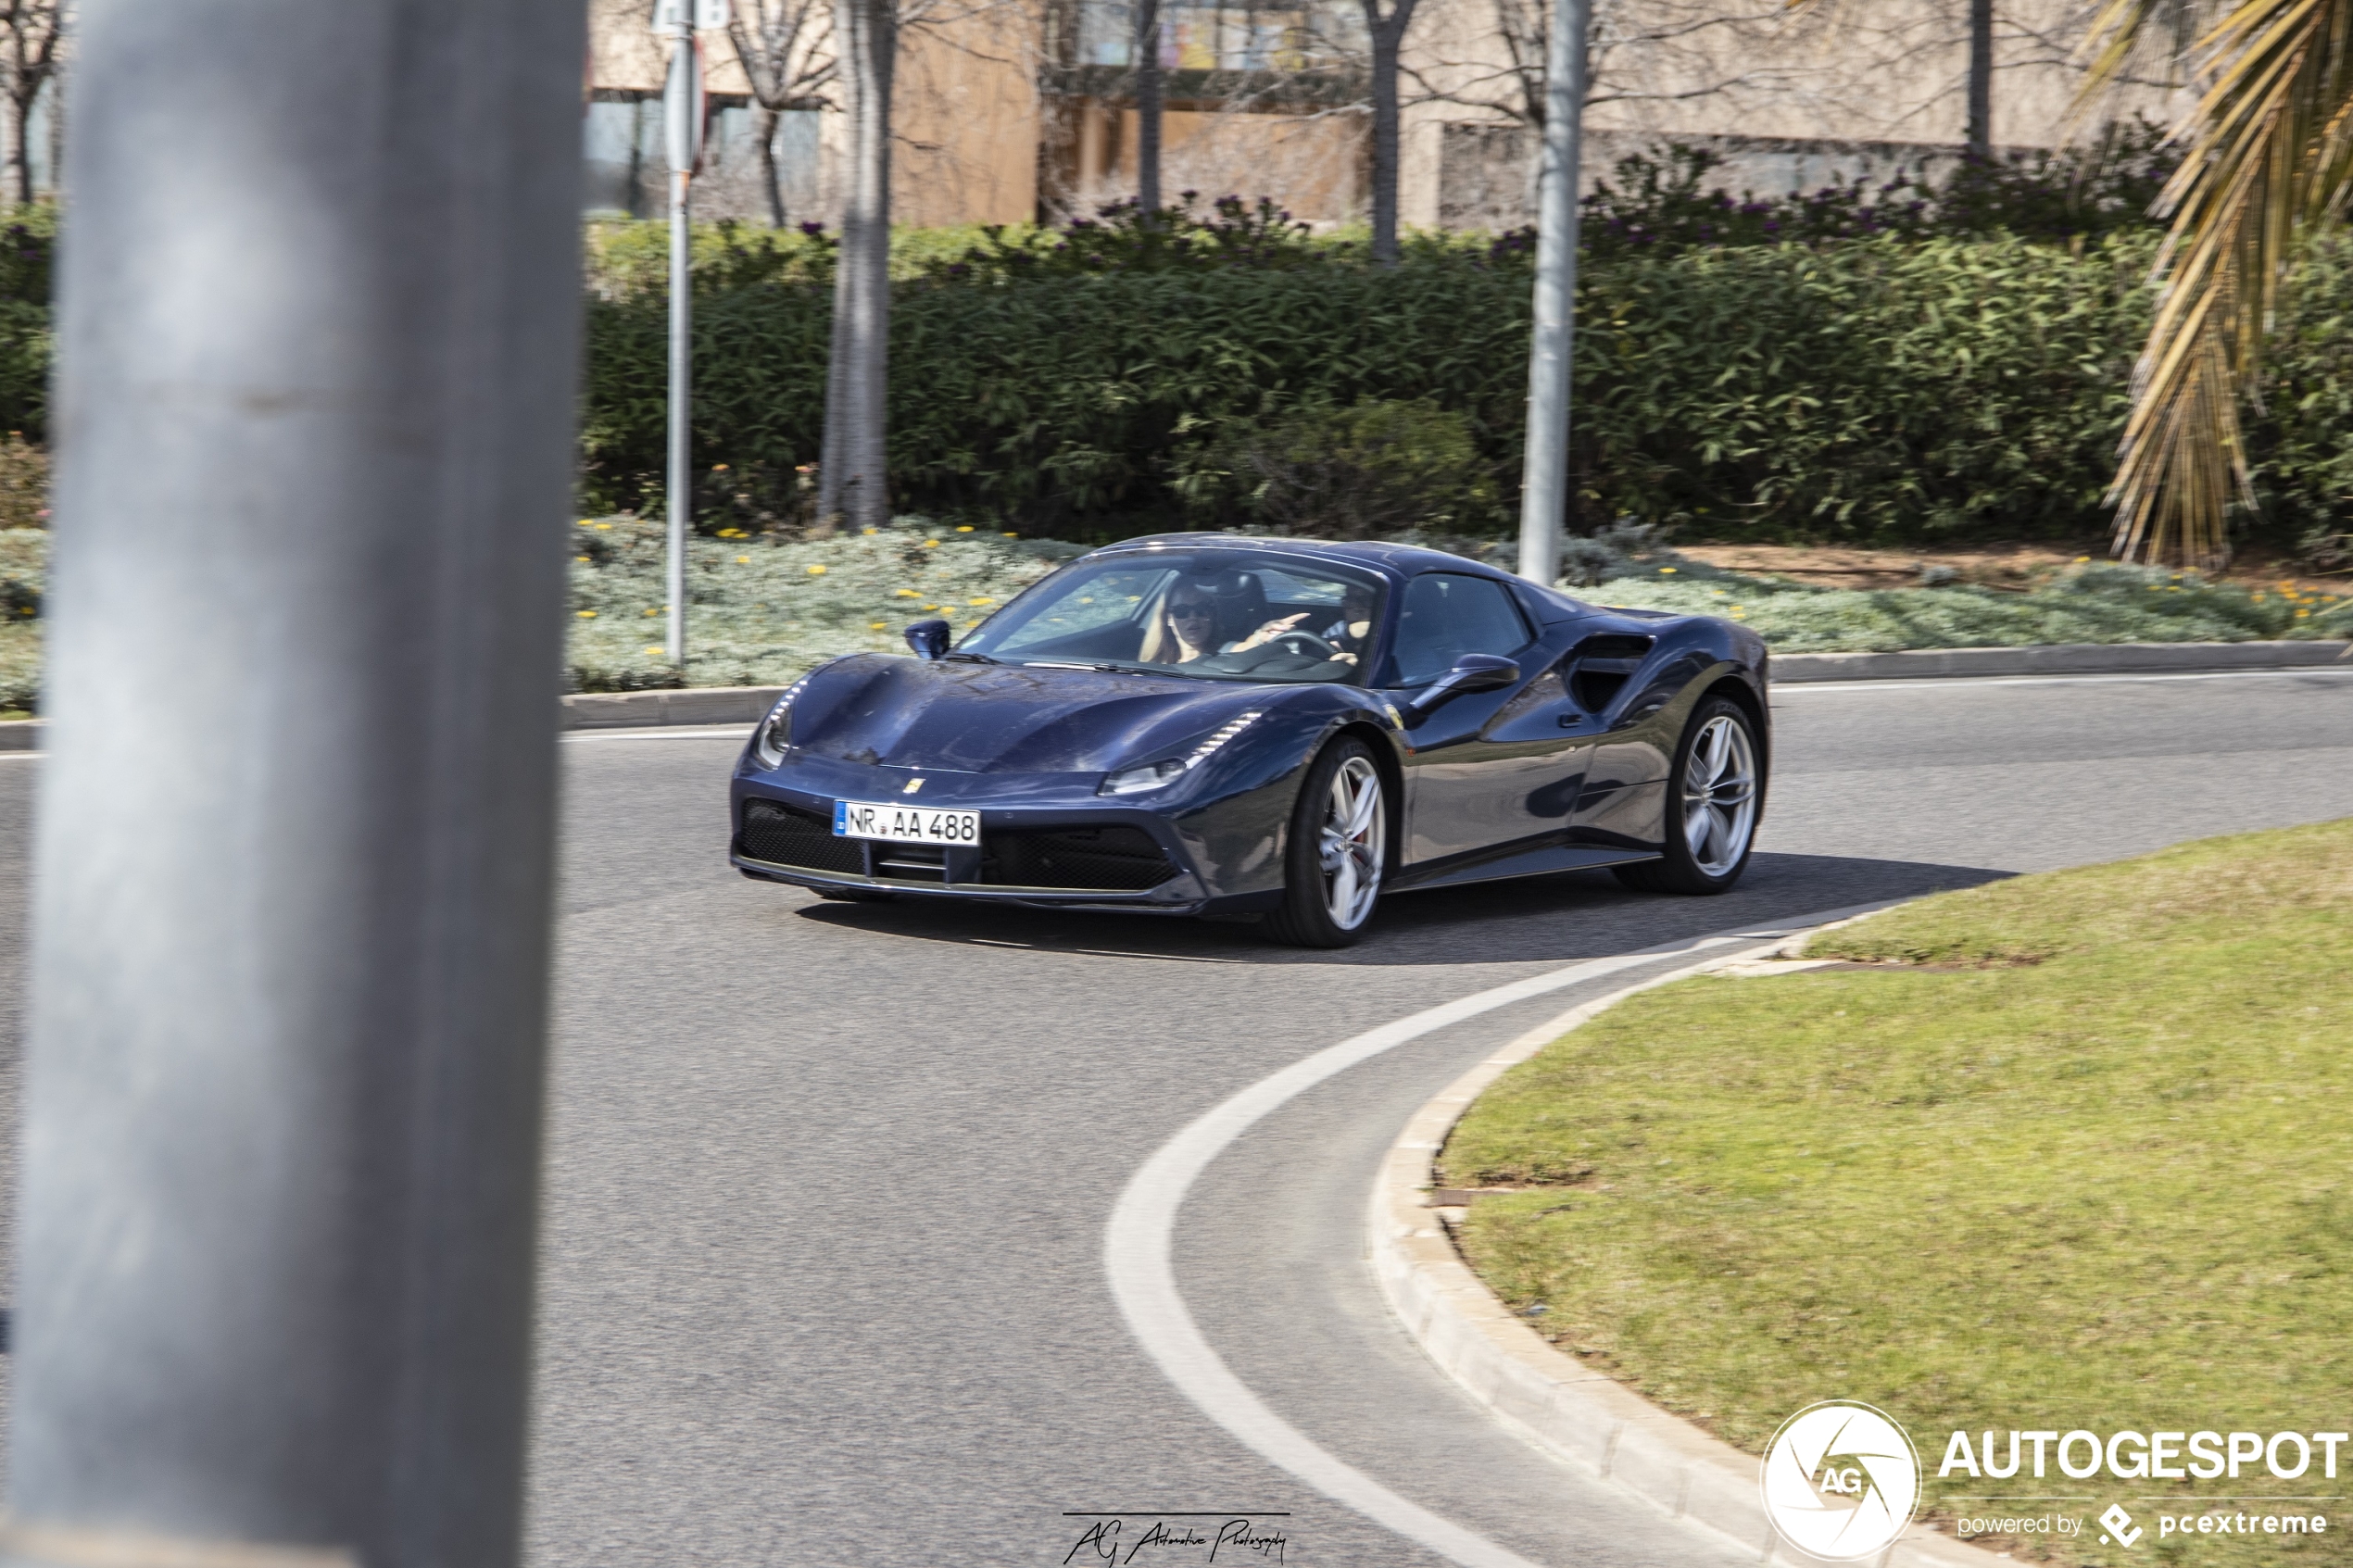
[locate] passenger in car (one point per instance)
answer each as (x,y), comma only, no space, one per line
(1355,627)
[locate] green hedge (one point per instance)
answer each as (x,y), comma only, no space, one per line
(1881,390)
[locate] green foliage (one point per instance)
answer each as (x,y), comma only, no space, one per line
(24,558)
(1123,237)
(1871,391)
(759,611)
(2089,603)
(1658,206)
(1369,471)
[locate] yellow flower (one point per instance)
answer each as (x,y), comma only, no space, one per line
(906,594)
(719,468)
(743,560)
(606,527)
(587,522)
(873,626)
(580,557)
(2302,613)
(653,650)
(1011,534)
(1666,570)
(930,544)
(870,530)
(653,612)
(982,601)
(964,528)
(2080,560)
(587,615)
(817,571)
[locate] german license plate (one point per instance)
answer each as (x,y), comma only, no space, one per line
(904,824)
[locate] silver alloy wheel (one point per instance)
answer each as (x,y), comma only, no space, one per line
(1719,796)
(1350,845)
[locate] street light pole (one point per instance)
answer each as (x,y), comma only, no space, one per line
(1544,481)
(318,320)
(682,122)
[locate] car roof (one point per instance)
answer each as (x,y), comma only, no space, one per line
(1397,561)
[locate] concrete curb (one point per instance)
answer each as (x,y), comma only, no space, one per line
(702,704)
(745,705)
(2056,659)
(1599,1425)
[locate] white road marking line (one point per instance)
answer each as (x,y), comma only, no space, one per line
(1936,682)
(1139,1243)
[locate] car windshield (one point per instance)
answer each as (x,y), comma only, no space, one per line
(1218,614)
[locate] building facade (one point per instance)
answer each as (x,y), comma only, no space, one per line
(1013,110)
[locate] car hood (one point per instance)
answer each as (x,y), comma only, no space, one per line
(1004,718)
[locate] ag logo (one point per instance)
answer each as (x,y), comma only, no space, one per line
(1840,1480)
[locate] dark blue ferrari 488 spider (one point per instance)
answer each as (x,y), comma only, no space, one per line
(1208,724)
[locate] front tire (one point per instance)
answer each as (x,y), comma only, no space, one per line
(1713,792)
(1338,851)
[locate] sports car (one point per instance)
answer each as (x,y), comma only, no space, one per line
(1219,725)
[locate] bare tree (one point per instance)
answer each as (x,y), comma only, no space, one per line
(780,43)
(852,470)
(31,59)
(1386,35)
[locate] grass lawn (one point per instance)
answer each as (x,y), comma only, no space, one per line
(2075,1152)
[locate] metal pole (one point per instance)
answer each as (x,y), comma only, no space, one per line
(319,315)
(682,119)
(1544,484)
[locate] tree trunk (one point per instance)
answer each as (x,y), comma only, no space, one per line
(1388,34)
(20,144)
(765,126)
(1980,76)
(858,379)
(1147,105)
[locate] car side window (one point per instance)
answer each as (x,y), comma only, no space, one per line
(1444,616)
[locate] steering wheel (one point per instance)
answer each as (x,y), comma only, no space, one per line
(1307,645)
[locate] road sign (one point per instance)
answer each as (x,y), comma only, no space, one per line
(709,14)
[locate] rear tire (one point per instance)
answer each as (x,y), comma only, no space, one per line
(1713,792)
(1338,852)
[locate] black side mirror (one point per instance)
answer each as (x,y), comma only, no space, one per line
(1472,673)
(928,638)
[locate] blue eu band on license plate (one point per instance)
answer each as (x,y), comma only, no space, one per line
(905,824)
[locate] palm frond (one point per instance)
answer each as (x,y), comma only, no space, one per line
(2269,159)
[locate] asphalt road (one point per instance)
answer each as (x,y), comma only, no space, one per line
(829,1183)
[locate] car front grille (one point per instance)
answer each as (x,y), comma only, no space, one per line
(786,836)
(1095,859)
(1084,860)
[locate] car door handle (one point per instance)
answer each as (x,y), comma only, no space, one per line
(1570,721)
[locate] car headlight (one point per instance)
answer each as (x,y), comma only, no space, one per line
(1135,781)
(1151,775)
(769,740)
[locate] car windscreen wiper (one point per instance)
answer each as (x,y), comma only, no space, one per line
(964,657)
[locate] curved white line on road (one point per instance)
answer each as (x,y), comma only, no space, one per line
(1139,1244)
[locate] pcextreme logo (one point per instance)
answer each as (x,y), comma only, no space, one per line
(1840,1480)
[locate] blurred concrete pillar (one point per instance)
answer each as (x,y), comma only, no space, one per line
(319,330)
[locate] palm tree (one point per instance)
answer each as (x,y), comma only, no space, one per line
(2269,148)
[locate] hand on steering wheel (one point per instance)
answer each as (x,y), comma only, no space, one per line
(1307,644)
(1268,633)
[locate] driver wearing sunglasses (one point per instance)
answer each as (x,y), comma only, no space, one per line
(1186,628)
